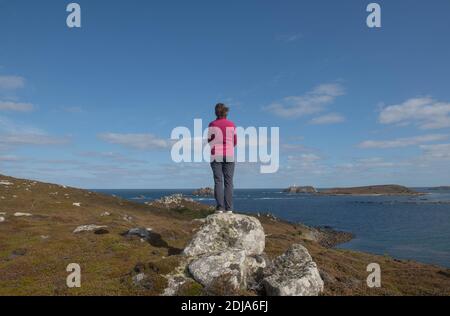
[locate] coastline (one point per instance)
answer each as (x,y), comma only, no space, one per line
(42,241)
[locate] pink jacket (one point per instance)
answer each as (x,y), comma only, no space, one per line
(222,138)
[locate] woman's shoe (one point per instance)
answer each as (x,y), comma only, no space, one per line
(229,212)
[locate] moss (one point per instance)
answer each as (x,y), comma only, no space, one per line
(164,266)
(190,288)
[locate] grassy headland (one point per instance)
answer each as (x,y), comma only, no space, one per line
(35,250)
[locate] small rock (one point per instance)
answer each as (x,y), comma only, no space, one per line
(127,218)
(2,219)
(87,228)
(101,231)
(143,281)
(105,214)
(76,204)
(19,252)
(139,231)
(45,237)
(19,214)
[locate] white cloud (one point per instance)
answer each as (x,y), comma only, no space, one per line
(15,134)
(402,142)
(73,109)
(331,118)
(436,152)
(8,158)
(312,102)
(425,112)
(138,141)
(117,157)
(15,106)
(11,82)
(31,139)
(289,38)
(304,160)
(367,164)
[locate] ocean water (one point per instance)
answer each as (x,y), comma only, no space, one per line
(404,227)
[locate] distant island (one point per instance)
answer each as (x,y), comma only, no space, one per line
(441,188)
(390,189)
(301,189)
(203,192)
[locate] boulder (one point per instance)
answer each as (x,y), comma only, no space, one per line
(228,231)
(226,252)
(229,264)
(293,274)
(2,219)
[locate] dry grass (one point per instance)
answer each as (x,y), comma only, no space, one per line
(35,251)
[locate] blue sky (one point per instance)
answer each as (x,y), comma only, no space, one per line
(94,107)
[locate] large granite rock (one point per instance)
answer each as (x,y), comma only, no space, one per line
(239,270)
(293,274)
(229,264)
(227,250)
(225,231)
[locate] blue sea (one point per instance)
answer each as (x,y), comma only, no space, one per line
(403,227)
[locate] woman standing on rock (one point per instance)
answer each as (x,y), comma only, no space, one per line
(222,139)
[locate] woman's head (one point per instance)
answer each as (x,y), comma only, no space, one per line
(221,110)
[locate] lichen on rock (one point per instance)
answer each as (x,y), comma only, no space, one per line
(225,231)
(294,273)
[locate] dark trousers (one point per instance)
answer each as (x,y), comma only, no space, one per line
(223,184)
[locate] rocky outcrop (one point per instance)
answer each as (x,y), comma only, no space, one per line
(293,274)
(228,231)
(303,190)
(229,249)
(203,192)
(171,201)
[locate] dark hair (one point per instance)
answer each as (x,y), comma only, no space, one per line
(221,110)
